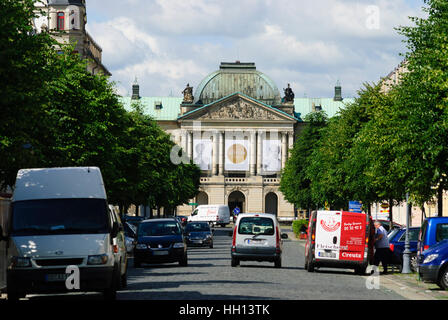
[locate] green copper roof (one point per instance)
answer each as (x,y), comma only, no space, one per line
(170,106)
(331,107)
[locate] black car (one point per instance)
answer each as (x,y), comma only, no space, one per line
(199,234)
(160,241)
(134,220)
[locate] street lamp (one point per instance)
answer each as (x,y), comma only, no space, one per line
(407,253)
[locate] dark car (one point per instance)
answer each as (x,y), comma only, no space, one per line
(397,239)
(386,225)
(199,234)
(134,220)
(183,220)
(160,241)
(433,264)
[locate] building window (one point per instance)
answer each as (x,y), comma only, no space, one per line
(61,21)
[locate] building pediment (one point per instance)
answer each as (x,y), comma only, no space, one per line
(237,107)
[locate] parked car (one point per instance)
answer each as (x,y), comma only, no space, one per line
(213,214)
(130,232)
(199,234)
(397,243)
(60,218)
(339,239)
(134,220)
(257,237)
(433,264)
(386,225)
(160,241)
(183,220)
(433,230)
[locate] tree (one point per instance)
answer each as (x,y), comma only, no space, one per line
(295,183)
(422,103)
(25,71)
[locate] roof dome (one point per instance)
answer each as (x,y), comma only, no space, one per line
(237,77)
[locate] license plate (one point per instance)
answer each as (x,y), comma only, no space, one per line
(197,241)
(327,255)
(56,277)
(160,253)
(256,242)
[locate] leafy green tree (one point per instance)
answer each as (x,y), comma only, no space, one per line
(295,183)
(25,71)
(422,100)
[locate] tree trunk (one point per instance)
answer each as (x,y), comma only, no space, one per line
(440,201)
(391,216)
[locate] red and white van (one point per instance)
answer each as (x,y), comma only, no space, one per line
(339,239)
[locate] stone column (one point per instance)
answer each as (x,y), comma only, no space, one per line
(221,153)
(253,153)
(284,148)
(190,144)
(259,151)
(215,161)
(290,142)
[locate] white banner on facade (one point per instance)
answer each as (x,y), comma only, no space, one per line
(237,155)
(202,153)
(272,156)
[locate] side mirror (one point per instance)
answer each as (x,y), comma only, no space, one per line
(284,236)
(115,230)
(1,234)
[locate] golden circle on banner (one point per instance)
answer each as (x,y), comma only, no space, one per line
(237,153)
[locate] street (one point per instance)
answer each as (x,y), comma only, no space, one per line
(209,276)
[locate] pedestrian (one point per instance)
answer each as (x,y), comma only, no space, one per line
(381,247)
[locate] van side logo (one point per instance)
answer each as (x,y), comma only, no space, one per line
(330,226)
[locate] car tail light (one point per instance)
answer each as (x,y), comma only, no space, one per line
(234,239)
(392,246)
(425,247)
(115,248)
(277,240)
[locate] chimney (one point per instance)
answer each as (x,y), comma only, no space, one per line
(135,90)
(338,92)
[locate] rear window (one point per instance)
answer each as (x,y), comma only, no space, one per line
(256,225)
(442,232)
(413,235)
(162,228)
(60,216)
(423,229)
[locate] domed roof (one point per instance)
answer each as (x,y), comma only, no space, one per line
(237,77)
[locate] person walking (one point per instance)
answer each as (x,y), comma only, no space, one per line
(381,247)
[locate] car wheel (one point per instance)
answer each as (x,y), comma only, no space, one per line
(184,261)
(235,262)
(361,270)
(414,263)
(278,262)
(310,267)
(137,263)
(211,245)
(443,278)
(111,293)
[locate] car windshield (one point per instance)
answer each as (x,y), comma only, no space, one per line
(256,225)
(197,227)
(442,232)
(392,233)
(413,235)
(160,228)
(59,216)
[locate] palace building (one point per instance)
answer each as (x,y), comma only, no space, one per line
(238,129)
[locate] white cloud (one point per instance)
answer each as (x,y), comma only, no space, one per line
(169,43)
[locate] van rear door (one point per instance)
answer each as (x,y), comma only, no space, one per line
(353,236)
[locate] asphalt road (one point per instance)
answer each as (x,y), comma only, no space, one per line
(209,276)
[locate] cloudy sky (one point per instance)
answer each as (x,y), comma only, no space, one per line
(310,44)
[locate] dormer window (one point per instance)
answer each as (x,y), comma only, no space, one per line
(61,21)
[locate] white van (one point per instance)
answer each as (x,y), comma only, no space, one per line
(59,217)
(213,214)
(257,237)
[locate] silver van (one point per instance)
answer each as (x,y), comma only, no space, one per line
(62,236)
(257,237)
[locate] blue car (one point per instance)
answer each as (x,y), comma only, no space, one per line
(160,241)
(433,230)
(397,239)
(433,264)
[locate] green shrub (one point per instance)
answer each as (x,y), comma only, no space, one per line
(297,226)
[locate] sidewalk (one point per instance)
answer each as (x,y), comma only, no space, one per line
(406,285)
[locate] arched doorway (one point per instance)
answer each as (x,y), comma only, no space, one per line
(202,198)
(237,199)
(271,203)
